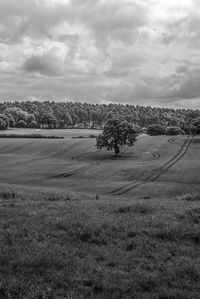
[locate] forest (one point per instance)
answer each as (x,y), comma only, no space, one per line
(50,114)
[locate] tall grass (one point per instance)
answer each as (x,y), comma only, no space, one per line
(64,245)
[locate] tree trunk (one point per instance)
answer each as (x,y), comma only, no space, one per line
(116,149)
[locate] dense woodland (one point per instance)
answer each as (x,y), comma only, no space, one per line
(35,114)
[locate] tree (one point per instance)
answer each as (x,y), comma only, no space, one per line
(156,129)
(10,119)
(33,125)
(21,124)
(17,113)
(4,122)
(49,120)
(195,125)
(116,133)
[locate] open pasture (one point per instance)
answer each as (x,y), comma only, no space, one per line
(156,166)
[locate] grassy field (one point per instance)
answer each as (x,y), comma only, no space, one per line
(60,245)
(79,223)
(155,167)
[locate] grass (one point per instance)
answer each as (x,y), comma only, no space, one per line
(83,244)
(189,197)
(64,245)
(137,209)
(196,139)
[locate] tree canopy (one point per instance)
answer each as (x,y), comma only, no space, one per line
(116,133)
(52,114)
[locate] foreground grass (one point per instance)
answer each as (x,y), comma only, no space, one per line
(64,246)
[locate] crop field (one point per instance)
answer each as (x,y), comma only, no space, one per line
(80,223)
(156,166)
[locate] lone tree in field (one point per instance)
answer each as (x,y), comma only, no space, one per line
(116,133)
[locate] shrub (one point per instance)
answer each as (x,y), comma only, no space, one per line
(189,197)
(30,136)
(156,129)
(138,129)
(10,119)
(173,130)
(21,124)
(33,124)
(4,122)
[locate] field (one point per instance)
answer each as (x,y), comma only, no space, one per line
(155,166)
(80,223)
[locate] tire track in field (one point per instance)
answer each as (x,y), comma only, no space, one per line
(57,154)
(78,170)
(157,173)
(154,175)
(172,139)
(67,149)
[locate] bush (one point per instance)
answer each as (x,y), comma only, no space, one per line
(156,129)
(21,124)
(11,120)
(3,125)
(4,122)
(30,136)
(189,197)
(189,129)
(173,130)
(33,124)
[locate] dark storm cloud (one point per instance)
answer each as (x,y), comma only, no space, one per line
(41,64)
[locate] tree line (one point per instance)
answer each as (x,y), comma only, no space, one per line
(37,114)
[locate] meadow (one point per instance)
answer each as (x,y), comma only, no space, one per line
(80,223)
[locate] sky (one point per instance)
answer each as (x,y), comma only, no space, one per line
(144,52)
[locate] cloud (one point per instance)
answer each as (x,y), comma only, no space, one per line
(41,64)
(130,51)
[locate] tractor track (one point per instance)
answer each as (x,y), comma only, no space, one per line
(78,170)
(155,174)
(55,155)
(172,139)
(67,149)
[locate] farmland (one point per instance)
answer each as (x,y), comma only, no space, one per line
(139,238)
(155,166)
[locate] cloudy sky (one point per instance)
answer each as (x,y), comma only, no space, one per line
(130,51)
